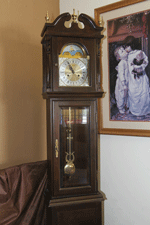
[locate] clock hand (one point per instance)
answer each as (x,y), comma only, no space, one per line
(70,67)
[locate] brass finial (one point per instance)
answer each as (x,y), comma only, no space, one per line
(47,17)
(74,17)
(100,21)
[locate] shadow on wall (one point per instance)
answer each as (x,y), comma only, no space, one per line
(21,103)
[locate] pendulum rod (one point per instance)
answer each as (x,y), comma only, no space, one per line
(69,168)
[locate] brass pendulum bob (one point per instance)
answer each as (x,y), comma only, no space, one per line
(69,168)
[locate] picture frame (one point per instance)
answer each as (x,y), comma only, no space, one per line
(104,15)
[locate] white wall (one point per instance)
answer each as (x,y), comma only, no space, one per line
(125,161)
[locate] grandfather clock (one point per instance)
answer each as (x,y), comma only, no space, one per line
(71,87)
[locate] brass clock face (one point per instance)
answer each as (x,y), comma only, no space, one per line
(73,66)
(73,72)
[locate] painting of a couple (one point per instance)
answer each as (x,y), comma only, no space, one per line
(129,68)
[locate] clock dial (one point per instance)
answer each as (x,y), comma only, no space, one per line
(73,72)
(73,66)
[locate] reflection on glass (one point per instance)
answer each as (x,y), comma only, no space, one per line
(74,146)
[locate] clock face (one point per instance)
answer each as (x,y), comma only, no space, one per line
(73,66)
(73,72)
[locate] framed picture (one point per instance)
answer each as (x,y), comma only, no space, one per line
(125,68)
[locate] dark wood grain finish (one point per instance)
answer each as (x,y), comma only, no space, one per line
(76,213)
(73,200)
(55,36)
(53,122)
(57,28)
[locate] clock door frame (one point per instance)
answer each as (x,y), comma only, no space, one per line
(54,162)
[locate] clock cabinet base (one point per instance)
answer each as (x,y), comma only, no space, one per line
(82,212)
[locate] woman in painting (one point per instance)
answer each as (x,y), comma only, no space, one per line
(138,86)
(121,88)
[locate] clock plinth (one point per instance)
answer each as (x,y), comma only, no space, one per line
(71,87)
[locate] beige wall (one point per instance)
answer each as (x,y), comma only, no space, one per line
(22,109)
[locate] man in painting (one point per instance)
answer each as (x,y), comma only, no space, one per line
(138,86)
(121,88)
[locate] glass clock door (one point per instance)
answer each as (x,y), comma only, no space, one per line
(76,147)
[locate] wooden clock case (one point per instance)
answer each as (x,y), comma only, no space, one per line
(78,202)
